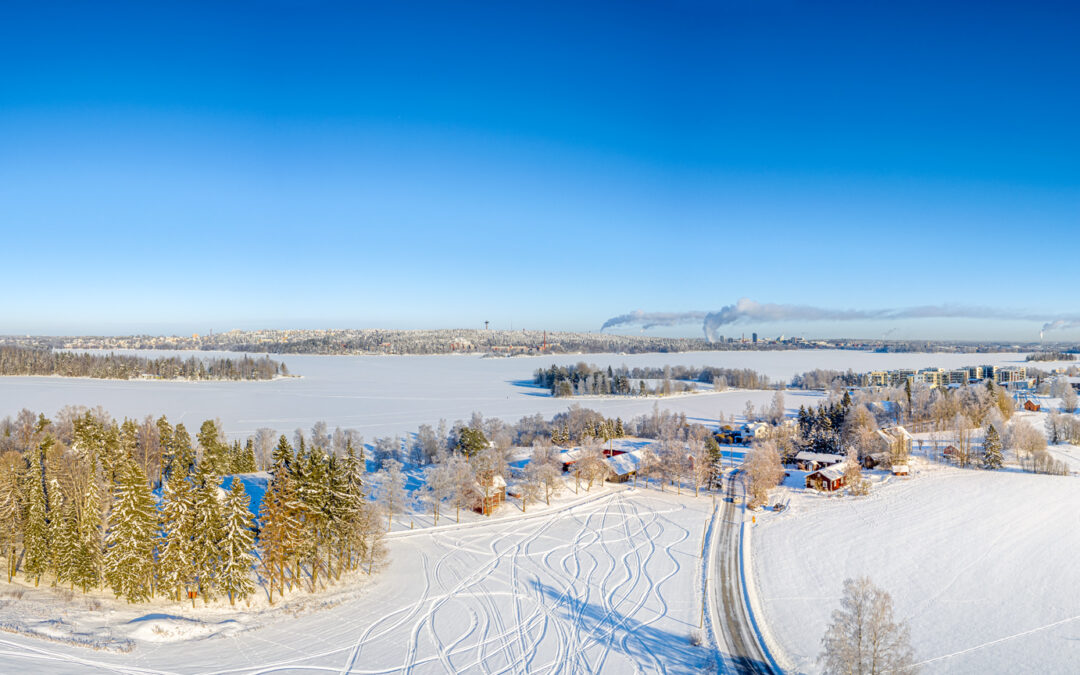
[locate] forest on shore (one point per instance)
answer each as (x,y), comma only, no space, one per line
(32,361)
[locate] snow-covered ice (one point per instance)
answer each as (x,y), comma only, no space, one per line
(388,395)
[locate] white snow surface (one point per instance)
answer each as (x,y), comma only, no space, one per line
(608,585)
(389,395)
(981,563)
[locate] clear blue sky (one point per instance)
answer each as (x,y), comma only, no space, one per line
(176,167)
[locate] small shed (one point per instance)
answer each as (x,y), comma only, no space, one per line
(490,493)
(877,459)
(828,479)
(900,469)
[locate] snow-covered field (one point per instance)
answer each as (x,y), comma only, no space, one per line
(982,563)
(388,395)
(609,585)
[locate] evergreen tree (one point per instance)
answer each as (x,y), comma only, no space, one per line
(64,537)
(36,551)
(86,573)
(206,531)
(129,542)
(283,454)
(992,456)
(183,452)
(176,572)
(237,541)
(279,525)
(11,508)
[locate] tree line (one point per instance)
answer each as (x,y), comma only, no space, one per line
(78,508)
(24,361)
(582,379)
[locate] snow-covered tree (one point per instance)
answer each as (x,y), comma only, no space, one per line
(438,485)
(864,638)
(763,471)
(129,542)
(206,530)
(176,573)
(237,541)
(277,539)
(11,508)
(390,492)
(992,457)
(36,545)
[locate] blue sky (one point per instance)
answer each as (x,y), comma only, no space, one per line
(176,167)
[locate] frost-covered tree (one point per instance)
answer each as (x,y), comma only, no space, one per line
(763,471)
(857,485)
(864,638)
(992,457)
(129,542)
(237,541)
(464,481)
(390,492)
(438,485)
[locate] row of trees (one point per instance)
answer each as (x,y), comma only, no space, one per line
(583,379)
(15,360)
(77,507)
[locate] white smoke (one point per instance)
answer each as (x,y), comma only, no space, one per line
(747,310)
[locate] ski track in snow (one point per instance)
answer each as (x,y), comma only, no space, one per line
(588,589)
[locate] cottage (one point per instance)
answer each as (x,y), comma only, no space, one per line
(623,466)
(828,479)
(812,461)
(1032,406)
(756,430)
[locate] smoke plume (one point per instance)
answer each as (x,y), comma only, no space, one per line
(747,310)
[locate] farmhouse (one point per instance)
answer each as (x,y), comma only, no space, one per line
(812,461)
(828,479)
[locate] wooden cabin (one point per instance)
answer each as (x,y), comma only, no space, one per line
(1032,406)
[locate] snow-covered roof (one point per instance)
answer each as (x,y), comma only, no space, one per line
(834,472)
(623,464)
(900,468)
(823,457)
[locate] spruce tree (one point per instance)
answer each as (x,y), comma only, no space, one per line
(992,457)
(87,566)
(129,542)
(279,525)
(206,530)
(36,551)
(11,508)
(176,573)
(237,540)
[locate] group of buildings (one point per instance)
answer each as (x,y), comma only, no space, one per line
(1011,377)
(828,471)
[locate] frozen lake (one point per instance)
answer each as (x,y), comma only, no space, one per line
(387,395)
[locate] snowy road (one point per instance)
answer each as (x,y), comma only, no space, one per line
(738,643)
(606,586)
